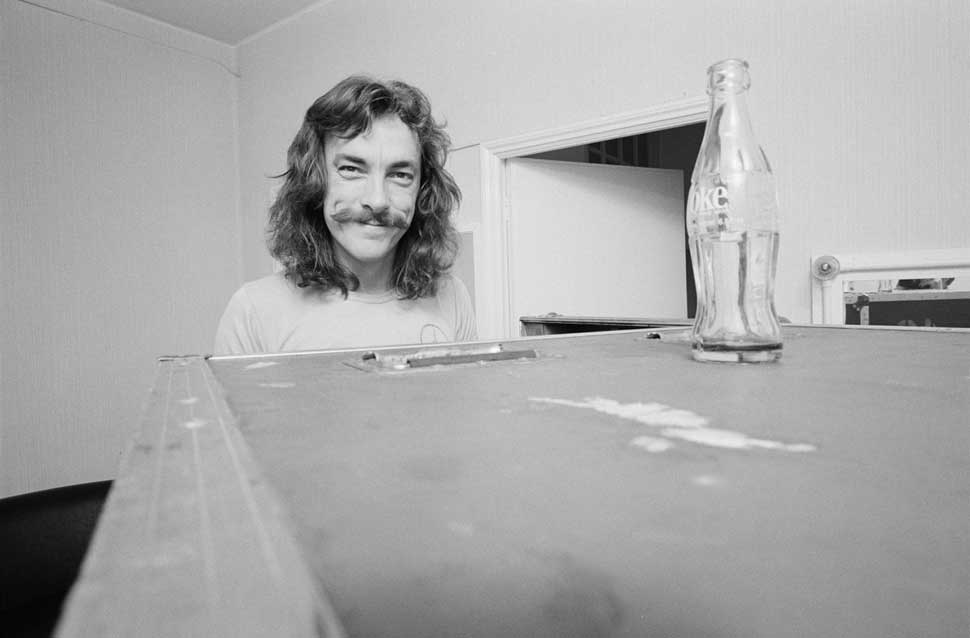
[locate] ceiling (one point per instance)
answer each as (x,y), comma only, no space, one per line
(228,21)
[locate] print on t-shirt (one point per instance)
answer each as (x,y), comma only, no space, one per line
(432,333)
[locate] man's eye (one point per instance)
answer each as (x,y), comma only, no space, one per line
(402,177)
(348,169)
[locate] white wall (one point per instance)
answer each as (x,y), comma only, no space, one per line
(119,240)
(861,106)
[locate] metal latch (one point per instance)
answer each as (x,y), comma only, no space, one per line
(381,361)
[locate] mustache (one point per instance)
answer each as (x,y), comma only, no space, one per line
(383,217)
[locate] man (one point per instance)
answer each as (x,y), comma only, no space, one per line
(362,227)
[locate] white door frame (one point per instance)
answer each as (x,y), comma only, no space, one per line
(494,294)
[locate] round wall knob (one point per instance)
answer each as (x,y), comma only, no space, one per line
(825,267)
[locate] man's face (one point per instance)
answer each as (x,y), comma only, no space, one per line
(372,186)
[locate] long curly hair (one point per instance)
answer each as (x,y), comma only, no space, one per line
(297,234)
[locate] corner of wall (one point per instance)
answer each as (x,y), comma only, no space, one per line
(135,24)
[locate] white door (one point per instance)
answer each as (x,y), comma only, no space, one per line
(596,240)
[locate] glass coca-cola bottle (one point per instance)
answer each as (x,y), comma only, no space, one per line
(732,223)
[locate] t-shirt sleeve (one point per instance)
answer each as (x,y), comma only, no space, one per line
(465,325)
(238,331)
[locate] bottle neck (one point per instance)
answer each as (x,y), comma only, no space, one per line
(729,115)
(730,145)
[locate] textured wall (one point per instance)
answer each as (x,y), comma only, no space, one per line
(119,239)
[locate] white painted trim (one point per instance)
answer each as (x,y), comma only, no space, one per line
(492,291)
(495,320)
(664,116)
(474,228)
(830,272)
(144,27)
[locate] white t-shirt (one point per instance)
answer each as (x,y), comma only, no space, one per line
(273,314)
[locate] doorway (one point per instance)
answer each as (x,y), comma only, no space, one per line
(674,148)
(492,254)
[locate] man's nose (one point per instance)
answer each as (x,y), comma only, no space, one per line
(375,195)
